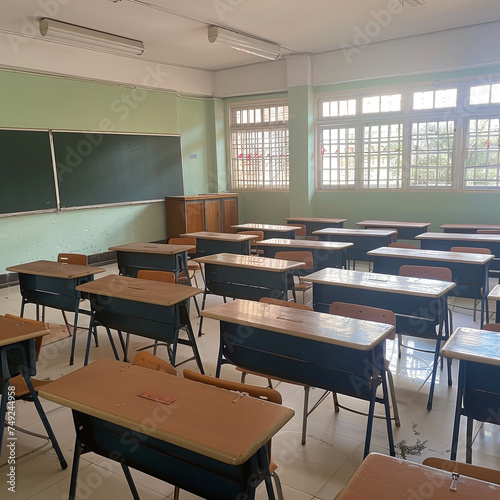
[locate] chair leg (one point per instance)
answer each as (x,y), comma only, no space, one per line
(390,379)
(277,482)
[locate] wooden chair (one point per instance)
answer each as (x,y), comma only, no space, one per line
(254,391)
(192,265)
(395,244)
(154,275)
(428,331)
(299,256)
(72,258)
(469,470)
(260,236)
(306,412)
(488,231)
(370,314)
(148,360)
(481,250)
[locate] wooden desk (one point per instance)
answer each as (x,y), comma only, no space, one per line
(469,270)
(468,228)
(270,230)
(364,240)
(380,477)
(406,230)
(151,309)
(246,277)
(444,241)
(208,243)
(135,256)
(18,357)
(208,441)
(53,284)
(307,347)
(325,253)
(315,223)
(419,304)
(495,296)
(478,392)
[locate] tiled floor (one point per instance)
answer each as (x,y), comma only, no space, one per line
(318,470)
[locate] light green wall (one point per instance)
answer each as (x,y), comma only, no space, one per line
(423,206)
(29,101)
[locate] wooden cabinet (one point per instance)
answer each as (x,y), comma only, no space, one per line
(205,212)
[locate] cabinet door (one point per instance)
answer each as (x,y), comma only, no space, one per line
(212,216)
(195,217)
(229,214)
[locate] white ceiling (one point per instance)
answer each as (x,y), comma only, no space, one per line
(175,32)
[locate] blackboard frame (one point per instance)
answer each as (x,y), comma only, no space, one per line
(137,167)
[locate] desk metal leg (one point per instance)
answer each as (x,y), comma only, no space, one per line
(79,449)
(75,328)
(130,482)
(458,410)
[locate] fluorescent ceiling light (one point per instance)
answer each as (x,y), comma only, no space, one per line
(72,34)
(246,43)
(413,3)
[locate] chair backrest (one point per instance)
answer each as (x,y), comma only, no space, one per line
(254,391)
(368,313)
(185,240)
(488,231)
(285,303)
(395,244)
(429,272)
(469,470)
(471,250)
(394,237)
(259,234)
(297,256)
(148,360)
(154,275)
(300,232)
(491,327)
(73,258)
(38,340)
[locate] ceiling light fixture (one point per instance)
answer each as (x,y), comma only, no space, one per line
(246,43)
(413,3)
(72,34)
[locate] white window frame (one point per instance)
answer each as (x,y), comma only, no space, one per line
(255,175)
(460,115)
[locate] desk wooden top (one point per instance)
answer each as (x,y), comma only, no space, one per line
(14,330)
(139,290)
(266,227)
(390,283)
(392,223)
(354,232)
(157,248)
(327,220)
(305,244)
(250,262)
(459,236)
(53,269)
(472,227)
(470,344)
(438,255)
(207,235)
(495,293)
(321,327)
(381,477)
(204,419)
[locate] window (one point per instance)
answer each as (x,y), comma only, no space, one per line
(383,156)
(432,138)
(482,166)
(431,153)
(338,156)
(259,146)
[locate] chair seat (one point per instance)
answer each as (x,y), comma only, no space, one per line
(21,389)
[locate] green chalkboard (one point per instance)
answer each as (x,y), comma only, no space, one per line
(26,174)
(97,169)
